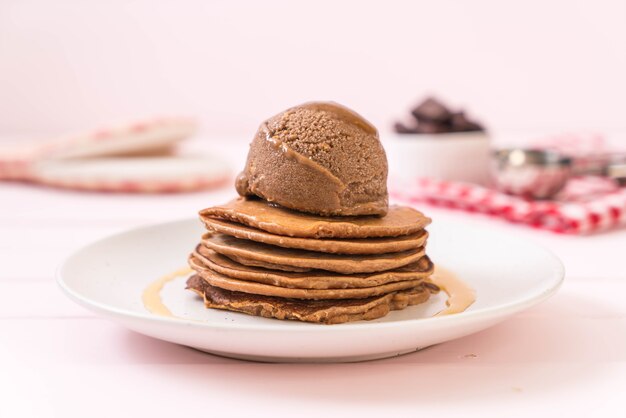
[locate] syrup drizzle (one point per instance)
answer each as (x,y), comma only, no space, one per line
(460,295)
(152,294)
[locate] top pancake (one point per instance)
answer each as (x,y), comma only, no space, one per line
(324,245)
(400,220)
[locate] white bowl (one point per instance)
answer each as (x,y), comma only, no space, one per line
(461,156)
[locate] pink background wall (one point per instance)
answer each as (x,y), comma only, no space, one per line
(549,65)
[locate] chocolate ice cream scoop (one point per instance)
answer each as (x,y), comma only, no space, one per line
(321,158)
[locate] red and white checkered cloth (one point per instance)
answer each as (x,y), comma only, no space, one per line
(588,204)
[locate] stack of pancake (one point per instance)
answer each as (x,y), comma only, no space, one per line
(264,260)
(312,237)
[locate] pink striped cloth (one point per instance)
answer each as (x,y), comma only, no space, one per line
(588,204)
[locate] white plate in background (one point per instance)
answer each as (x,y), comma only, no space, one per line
(173,173)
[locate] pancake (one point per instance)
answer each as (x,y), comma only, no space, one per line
(315,279)
(251,252)
(400,220)
(224,282)
(324,245)
(320,311)
(267,266)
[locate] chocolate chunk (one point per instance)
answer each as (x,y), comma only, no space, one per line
(460,123)
(431,110)
(401,128)
(433,117)
(429,127)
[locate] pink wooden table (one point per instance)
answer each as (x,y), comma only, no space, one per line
(565,356)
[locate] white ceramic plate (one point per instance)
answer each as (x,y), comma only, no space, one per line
(109,277)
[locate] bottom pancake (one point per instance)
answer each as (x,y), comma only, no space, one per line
(320,311)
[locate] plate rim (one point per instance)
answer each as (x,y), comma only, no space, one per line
(503,310)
